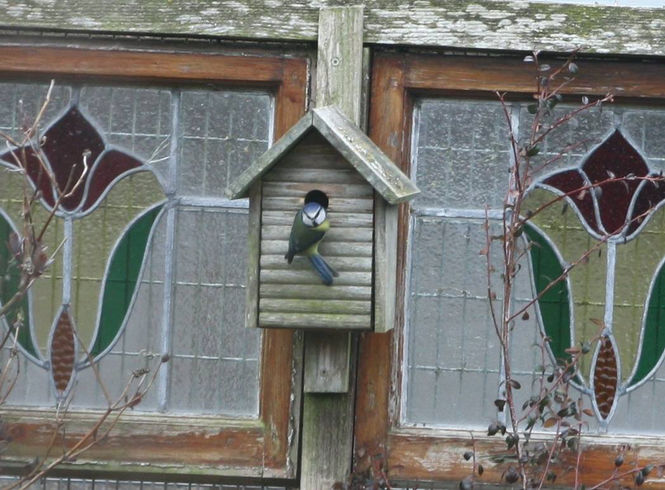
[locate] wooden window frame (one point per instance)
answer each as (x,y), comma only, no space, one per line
(410,454)
(146,446)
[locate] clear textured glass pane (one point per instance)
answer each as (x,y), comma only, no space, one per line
(20,103)
(215,358)
(461,154)
(136,119)
(221,133)
(449,334)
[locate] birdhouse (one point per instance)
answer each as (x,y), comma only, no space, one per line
(327,180)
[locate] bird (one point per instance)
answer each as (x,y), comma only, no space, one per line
(309,227)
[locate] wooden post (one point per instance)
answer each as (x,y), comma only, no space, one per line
(330,357)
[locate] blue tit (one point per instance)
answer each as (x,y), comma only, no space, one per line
(309,228)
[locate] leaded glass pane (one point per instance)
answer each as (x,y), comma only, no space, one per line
(141,270)
(452,363)
(221,133)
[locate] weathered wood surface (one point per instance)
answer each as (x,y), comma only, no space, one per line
(305,305)
(254,248)
(363,264)
(484,24)
(364,155)
(339,75)
(317,321)
(320,291)
(308,149)
(385,266)
(354,220)
(327,249)
(419,454)
(337,234)
(174,444)
(324,365)
(328,424)
(289,277)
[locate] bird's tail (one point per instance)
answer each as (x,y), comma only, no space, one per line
(325,272)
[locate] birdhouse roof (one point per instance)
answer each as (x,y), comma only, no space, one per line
(354,145)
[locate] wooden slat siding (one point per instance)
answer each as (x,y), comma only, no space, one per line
(281,200)
(203,448)
(352,321)
(281,276)
(362,264)
(341,234)
(332,176)
(299,189)
(316,291)
(304,306)
(354,220)
(346,205)
(314,153)
(329,250)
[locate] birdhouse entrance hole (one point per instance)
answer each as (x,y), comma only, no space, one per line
(317,196)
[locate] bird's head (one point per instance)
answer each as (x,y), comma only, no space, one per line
(313,215)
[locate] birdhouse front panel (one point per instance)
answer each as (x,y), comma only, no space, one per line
(294,295)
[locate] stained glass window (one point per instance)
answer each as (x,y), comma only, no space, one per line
(151,257)
(460,161)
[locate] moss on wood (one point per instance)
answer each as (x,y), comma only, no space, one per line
(484,24)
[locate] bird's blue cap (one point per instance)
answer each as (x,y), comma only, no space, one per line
(311,208)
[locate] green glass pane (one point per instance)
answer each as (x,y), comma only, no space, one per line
(46,292)
(94,238)
(554,303)
(122,279)
(636,267)
(10,279)
(588,278)
(653,340)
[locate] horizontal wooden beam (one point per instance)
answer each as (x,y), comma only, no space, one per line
(513,75)
(77,62)
(419,454)
(482,24)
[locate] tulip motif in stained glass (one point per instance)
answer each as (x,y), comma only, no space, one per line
(612,204)
(77,311)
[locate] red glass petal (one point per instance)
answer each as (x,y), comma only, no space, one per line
(63,352)
(113,164)
(605,377)
(649,196)
(572,181)
(35,170)
(65,143)
(615,157)
(63,146)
